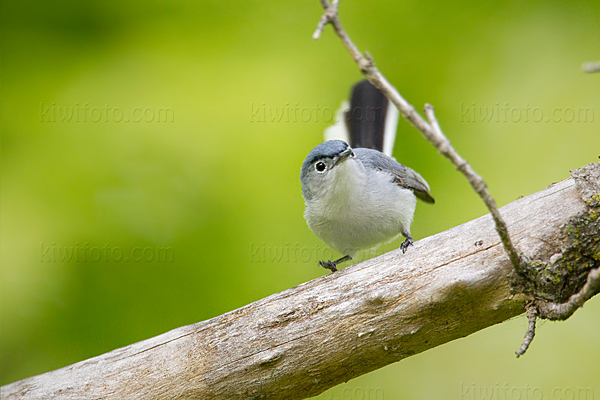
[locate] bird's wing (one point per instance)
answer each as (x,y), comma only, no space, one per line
(402,175)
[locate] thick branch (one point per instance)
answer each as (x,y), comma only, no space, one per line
(300,342)
(431,131)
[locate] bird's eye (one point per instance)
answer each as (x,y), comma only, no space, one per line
(320,166)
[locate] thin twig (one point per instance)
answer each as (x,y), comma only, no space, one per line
(591,66)
(560,312)
(532,314)
(431,130)
(330,10)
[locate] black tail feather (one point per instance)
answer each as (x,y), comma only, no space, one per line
(366,118)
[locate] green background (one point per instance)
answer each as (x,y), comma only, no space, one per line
(215,181)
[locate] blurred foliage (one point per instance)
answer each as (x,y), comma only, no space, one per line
(218,185)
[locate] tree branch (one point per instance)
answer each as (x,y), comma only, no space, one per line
(431,131)
(532,315)
(560,312)
(307,339)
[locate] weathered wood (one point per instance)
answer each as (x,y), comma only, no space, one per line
(302,341)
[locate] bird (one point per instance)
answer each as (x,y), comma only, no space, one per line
(357,196)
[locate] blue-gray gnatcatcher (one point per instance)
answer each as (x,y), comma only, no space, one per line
(356,196)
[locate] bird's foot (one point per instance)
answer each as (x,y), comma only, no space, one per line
(408,242)
(332,265)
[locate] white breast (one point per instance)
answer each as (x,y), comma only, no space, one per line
(361,209)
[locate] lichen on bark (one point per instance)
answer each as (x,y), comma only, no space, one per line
(565,272)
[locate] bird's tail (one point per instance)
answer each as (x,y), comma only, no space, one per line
(368,120)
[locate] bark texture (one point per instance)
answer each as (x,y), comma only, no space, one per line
(302,341)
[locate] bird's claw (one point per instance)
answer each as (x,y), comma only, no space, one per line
(408,242)
(330,265)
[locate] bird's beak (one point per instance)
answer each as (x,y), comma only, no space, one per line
(344,155)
